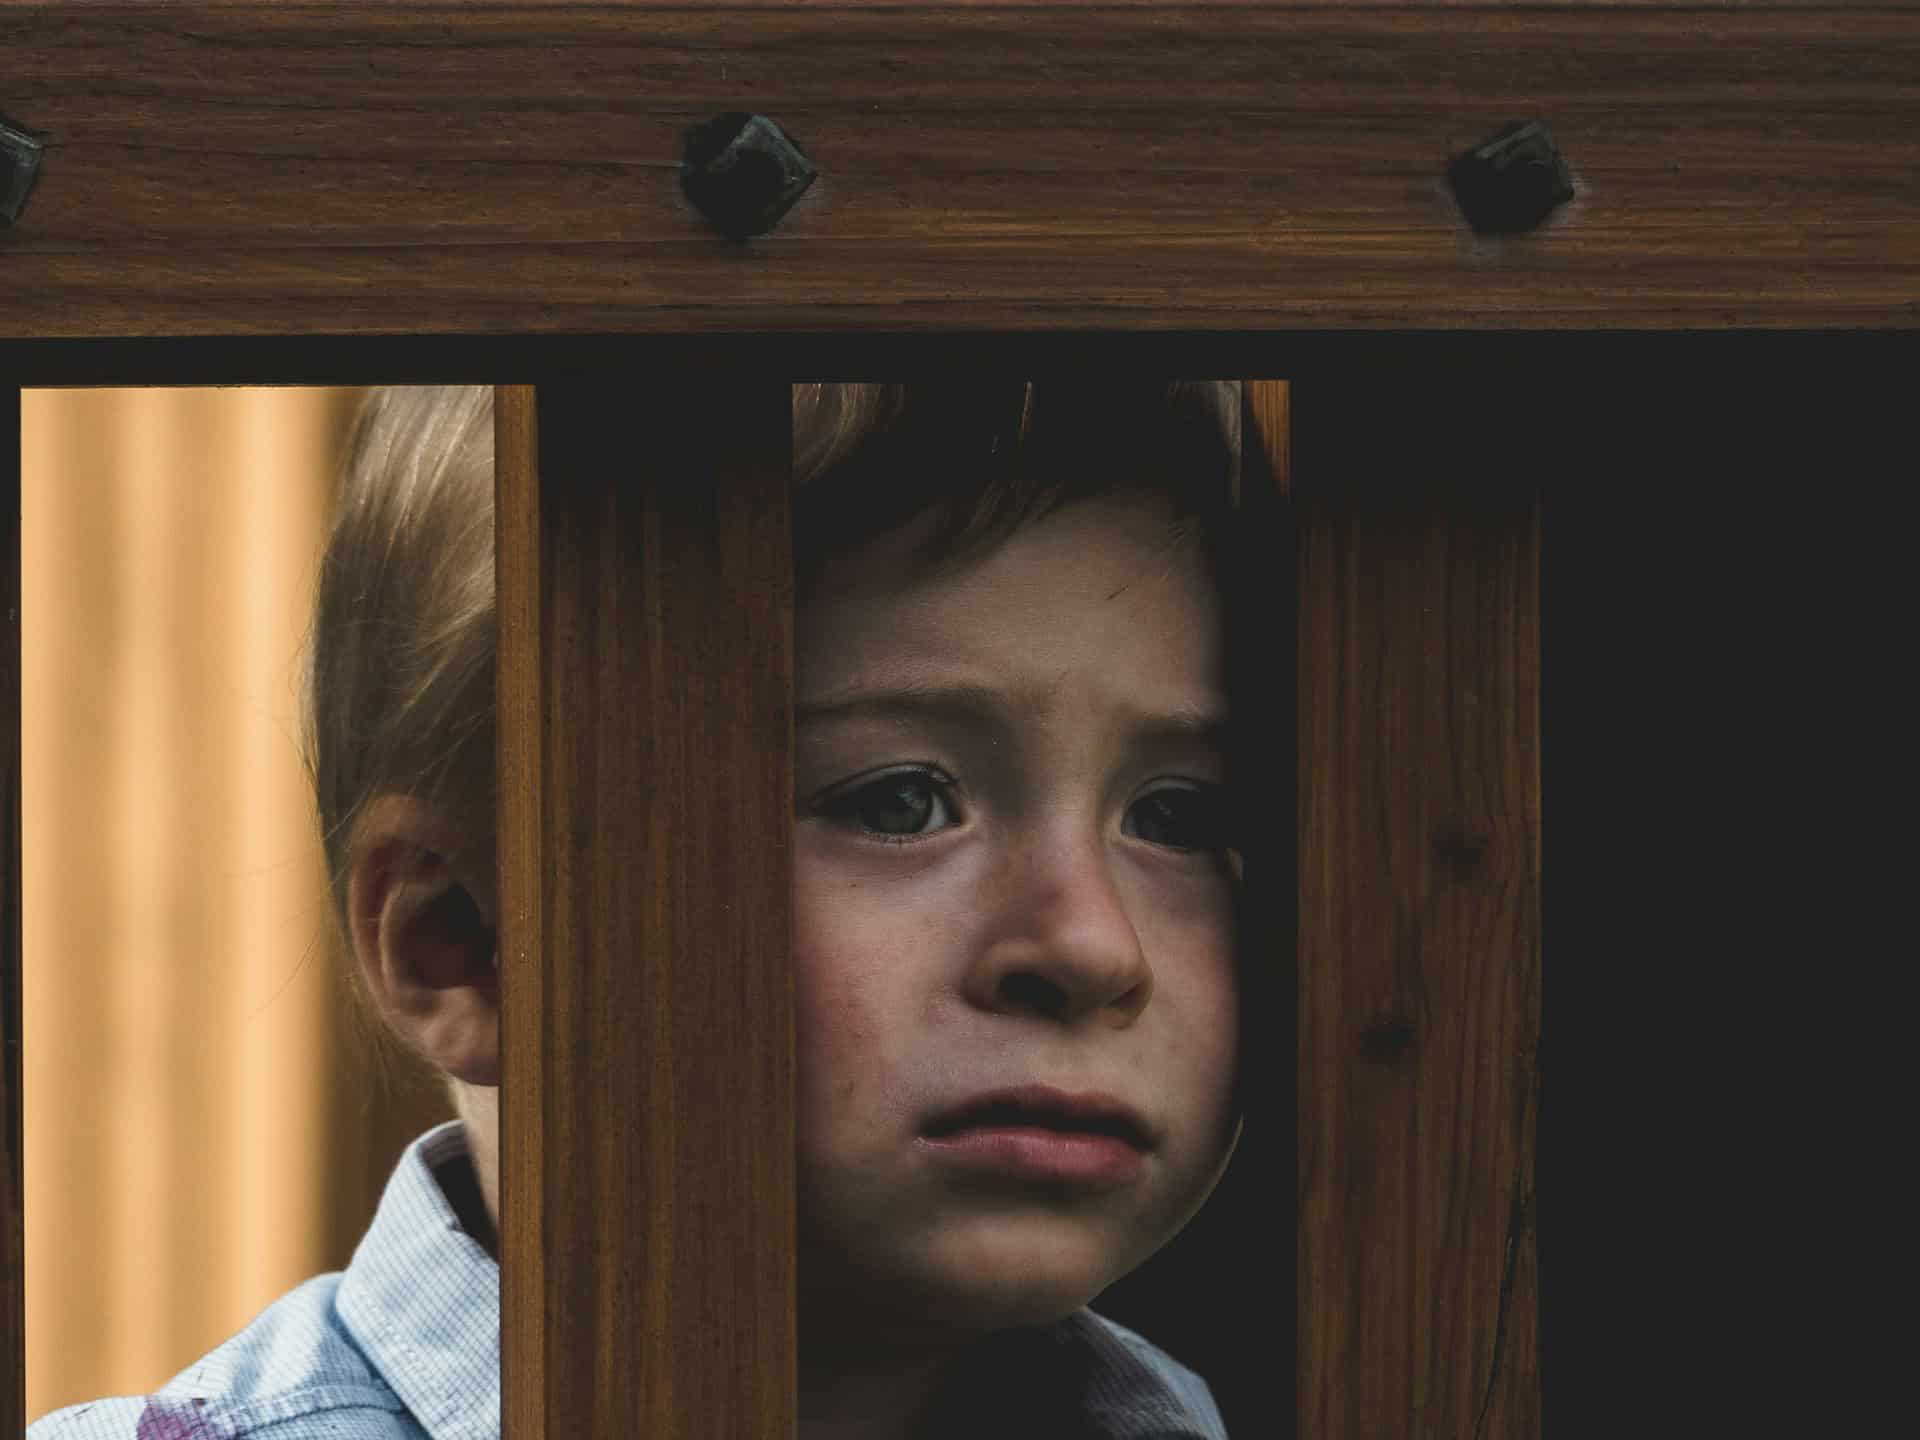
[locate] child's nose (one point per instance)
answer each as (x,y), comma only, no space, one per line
(1061,942)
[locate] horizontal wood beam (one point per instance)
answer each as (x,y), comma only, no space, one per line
(256,169)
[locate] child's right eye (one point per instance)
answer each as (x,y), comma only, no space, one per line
(895,807)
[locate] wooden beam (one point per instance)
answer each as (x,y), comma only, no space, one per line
(347,168)
(648,1182)
(1419,940)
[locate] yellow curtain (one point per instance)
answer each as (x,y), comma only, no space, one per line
(187,1159)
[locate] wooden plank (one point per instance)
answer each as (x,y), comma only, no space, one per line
(648,1221)
(256,169)
(1419,946)
(13,1280)
(1270,413)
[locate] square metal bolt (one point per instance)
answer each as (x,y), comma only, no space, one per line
(743,172)
(1510,181)
(19,165)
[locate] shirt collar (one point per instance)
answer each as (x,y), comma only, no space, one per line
(1121,1394)
(421,1298)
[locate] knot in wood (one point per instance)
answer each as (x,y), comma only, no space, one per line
(1458,849)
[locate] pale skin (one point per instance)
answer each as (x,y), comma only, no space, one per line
(1059,913)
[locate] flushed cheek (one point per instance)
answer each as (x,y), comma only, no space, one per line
(1195,1044)
(851,1093)
(865,966)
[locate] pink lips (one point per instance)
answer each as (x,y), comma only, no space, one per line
(1037,1153)
(1092,1111)
(1040,1132)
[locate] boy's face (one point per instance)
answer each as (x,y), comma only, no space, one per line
(1059,914)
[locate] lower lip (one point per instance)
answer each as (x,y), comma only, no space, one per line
(1040,1153)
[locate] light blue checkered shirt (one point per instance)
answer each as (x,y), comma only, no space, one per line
(405,1344)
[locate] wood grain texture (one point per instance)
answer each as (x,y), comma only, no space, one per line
(13,1243)
(1269,411)
(648,1191)
(350,169)
(1419,966)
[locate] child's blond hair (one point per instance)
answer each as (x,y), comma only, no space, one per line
(399,684)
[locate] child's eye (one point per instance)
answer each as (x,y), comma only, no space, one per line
(902,806)
(1184,818)
(895,807)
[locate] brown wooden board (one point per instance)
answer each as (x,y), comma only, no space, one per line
(645,683)
(260,169)
(1420,970)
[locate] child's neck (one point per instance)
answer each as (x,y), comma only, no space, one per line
(870,1392)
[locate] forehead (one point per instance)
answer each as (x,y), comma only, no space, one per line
(1098,590)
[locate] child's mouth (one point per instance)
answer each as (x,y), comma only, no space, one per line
(1040,1152)
(1043,1132)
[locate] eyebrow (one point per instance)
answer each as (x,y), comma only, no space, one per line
(992,709)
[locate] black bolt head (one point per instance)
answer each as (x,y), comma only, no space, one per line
(1510,181)
(19,164)
(743,172)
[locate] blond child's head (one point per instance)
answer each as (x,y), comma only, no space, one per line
(1013,858)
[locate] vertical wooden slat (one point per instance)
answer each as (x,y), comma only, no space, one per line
(645,808)
(521,684)
(1419,955)
(13,1328)
(1269,425)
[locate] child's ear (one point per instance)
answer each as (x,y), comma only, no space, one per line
(424,939)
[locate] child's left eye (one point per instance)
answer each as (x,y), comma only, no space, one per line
(1184,818)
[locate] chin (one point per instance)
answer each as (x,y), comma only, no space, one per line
(1031,1305)
(965,1266)
(1016,1278)
(969,1311)
(936,1312)
(970,1288)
